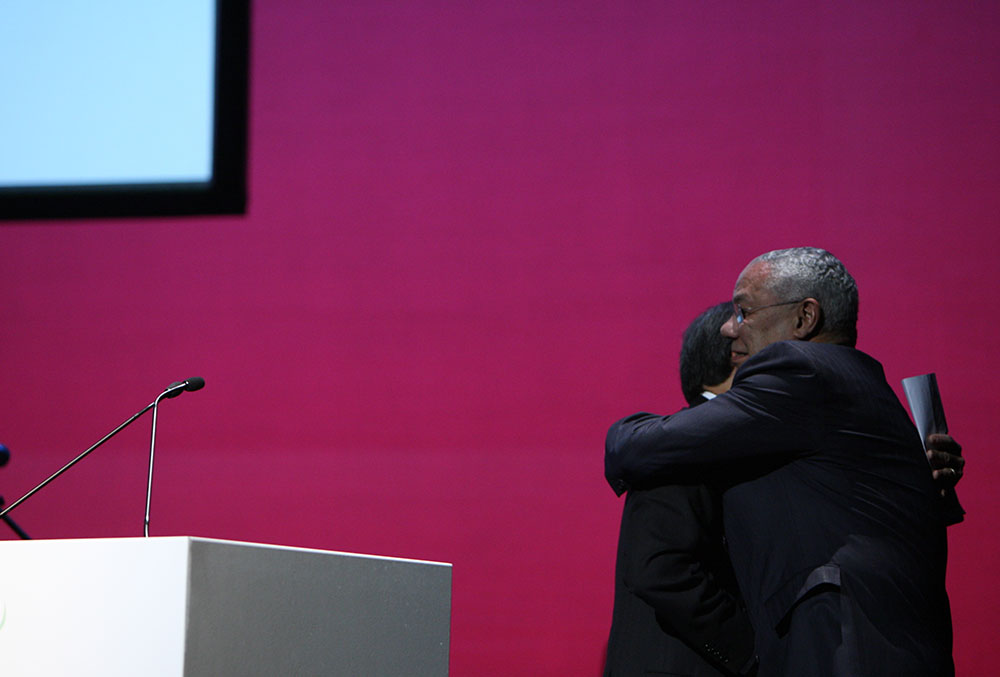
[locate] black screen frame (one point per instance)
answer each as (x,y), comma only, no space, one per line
(225,193)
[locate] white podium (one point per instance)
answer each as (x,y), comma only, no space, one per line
(192,607)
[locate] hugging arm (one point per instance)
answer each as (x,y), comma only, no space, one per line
(771,409)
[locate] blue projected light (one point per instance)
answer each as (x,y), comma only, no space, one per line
(112,92)
(114,107)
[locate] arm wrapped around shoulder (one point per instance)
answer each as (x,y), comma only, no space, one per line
(774,408)
(625,448)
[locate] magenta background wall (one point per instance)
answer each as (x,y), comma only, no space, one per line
(475,234)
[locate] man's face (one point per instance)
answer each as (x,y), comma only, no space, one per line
(760,328)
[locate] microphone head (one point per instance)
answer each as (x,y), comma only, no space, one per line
(174,389)
(177,387)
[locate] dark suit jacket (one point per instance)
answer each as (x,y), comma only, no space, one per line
(677,608)
(676,605)
(834,490)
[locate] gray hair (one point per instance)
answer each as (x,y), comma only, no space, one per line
(804,272)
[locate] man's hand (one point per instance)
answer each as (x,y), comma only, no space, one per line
(947,464)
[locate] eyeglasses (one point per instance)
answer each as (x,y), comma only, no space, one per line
(741,313)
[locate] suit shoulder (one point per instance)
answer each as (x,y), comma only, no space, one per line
(783,357)
(809,355)
(791,373)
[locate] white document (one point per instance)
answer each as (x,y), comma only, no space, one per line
(925,404)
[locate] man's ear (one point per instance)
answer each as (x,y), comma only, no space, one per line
(807,319)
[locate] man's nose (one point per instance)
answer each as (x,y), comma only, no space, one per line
(728,329)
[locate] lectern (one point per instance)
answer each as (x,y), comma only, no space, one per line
(192,606)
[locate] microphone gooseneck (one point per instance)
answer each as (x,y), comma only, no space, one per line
(173,390)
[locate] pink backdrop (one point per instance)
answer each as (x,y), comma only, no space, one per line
(475,234)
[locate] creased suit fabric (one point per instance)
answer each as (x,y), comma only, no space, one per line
(835,530)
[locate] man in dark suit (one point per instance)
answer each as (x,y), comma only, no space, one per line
(835,529)
(677,609)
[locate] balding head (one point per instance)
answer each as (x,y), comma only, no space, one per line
(809,272)
(803,294)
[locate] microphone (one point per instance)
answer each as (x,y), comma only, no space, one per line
(4,459)
(190,385)
(173,390)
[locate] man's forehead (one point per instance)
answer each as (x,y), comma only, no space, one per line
(750,283)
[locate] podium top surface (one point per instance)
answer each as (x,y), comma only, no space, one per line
(198,539)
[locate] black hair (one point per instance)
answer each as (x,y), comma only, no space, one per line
(705,352)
